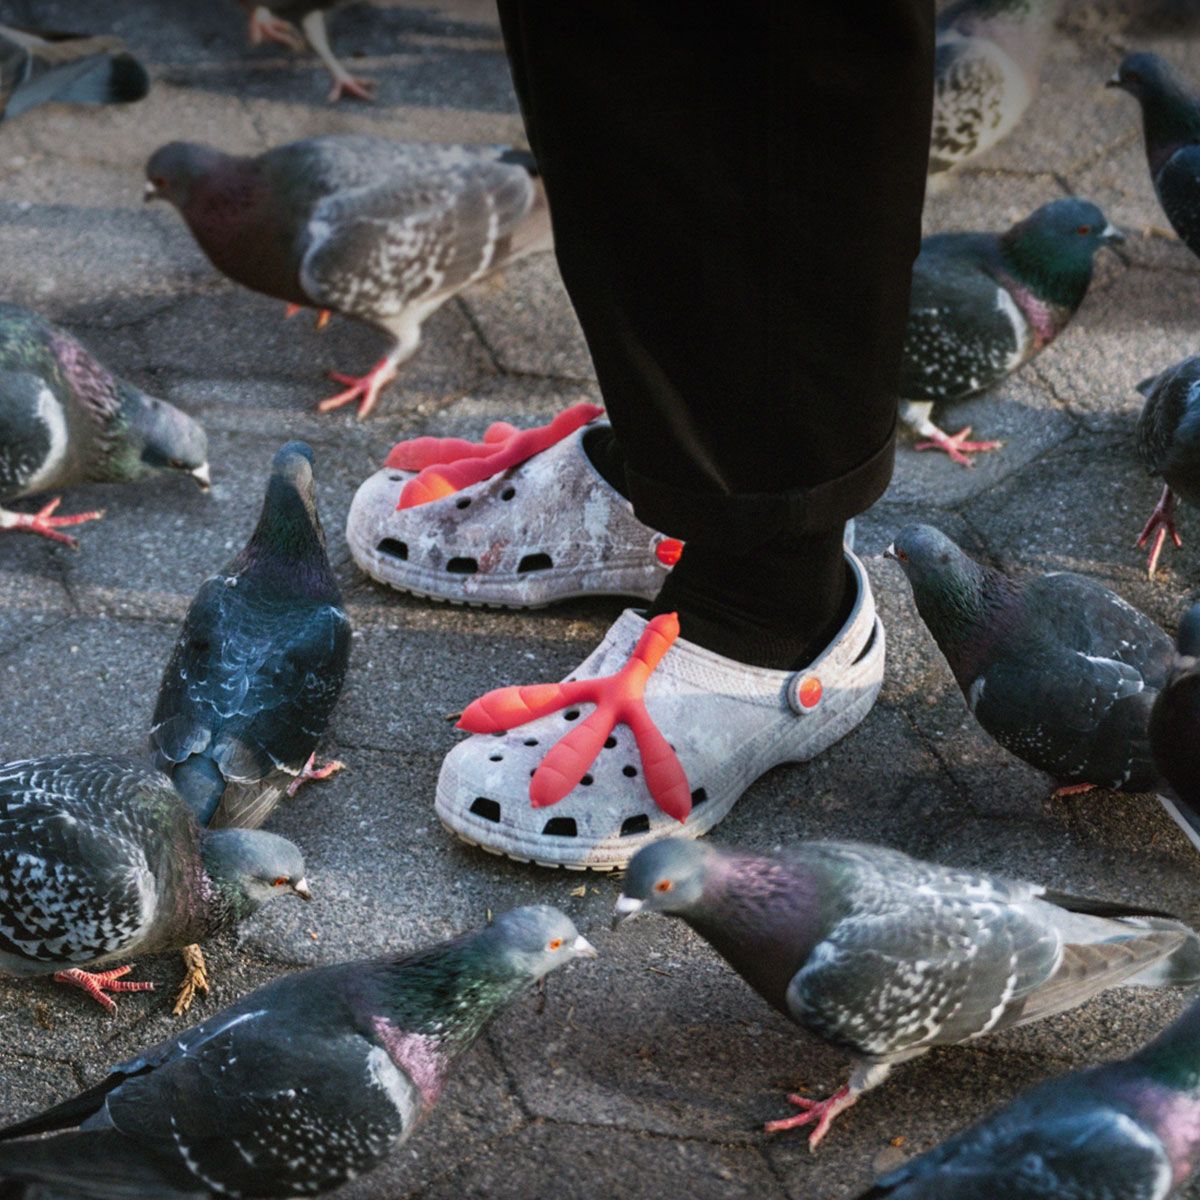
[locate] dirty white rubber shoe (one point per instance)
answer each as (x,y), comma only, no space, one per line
(728,723)
(549,529)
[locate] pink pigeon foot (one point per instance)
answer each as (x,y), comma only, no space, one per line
(45,524)
(323,315)
(956,445)
(1161,523)
(351,85)
(365,389)
(96,983)
(823,1112)
(266,27)
(1072,789)
(312,771)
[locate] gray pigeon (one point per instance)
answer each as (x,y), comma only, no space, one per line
(1059,670)
(1128,1129)
(299,1087)
(887,957)
(1168,442)
(259,663)
(276,21)
(37,67)
(988,59)
(384,232)
(65,420)
(100,861)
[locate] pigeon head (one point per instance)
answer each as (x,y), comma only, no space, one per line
(174,170)
(289,528)
(532,941)
(1170,111)
(928,557)
(667,877)
(156,436)
(250,867)
(1052,250)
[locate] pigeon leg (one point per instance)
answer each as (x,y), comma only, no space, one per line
(323,315)
(44,523)
(96,983)
(367,389)
(1161,523)
(823,1112)
(955,444)
(312,771)
(195,979)
(1071,789)
(265,26)
(314,29)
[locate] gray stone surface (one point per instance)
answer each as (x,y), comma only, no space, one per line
(650,1072)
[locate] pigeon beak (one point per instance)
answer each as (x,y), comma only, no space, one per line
(626,907)
(149,192)
(300,887)
(1110,235)
(202,476)
(583,947)
(890,552)
(1115,81)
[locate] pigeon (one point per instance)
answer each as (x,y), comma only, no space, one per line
(1171,124)
(1168,442)
(987,62)
(277,22)
(1059,670)
(66,420)
(258,665)
(983,304)
(384,232)
(1175,724)
(302,1085)
(37,67)
(887,957)
(1125,1129)
(100,860)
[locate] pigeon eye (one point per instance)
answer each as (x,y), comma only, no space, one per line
(663,885)
(177,463)
(556,944)
(1083,230)
(902,556)
(280,881)
(159,181)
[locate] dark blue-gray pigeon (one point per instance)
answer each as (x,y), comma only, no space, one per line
(1168,442)
(988,59)
(297,1088)
(1059,670)
(101,861)
(1128,1130)
(65,420)
(276,21)
(886,957)
(384,232)
(37,67)
(1175,726)
(983,304)
(259,663)
(1171,126)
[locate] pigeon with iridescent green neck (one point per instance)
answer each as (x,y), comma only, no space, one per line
(1129,1129)
(983,304)
(100,860)
(298,1087)
(66,420)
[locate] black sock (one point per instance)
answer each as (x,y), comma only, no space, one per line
(605,454)
(778,608)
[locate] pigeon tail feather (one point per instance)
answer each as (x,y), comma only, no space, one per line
(201,784)
(101,79)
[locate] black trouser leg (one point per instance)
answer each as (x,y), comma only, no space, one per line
(736,196)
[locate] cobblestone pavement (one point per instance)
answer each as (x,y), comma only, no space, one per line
(651,1071)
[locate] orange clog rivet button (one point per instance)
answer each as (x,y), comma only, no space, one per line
(809,692)
(668,551)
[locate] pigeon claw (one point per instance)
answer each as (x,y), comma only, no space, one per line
(365,389)
(1160,524)
(351,85)
(823,1112)
(957,446)
(96,983)
(45,524)
(312,771)
(195,979)
(265,26)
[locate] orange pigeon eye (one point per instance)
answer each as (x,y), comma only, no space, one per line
(280,881)
(555,945)
(1084,229)
(663,885)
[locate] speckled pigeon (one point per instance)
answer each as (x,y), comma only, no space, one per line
(988,59)
(887,957)
(983,304)
(276,21)
(37,67)
(1175,725)
(65,420)
(1171,124)
(1058,669)
(381,231)
(101,861)
(1128,1130)
(259,663)
(299,1087)
(1168,442)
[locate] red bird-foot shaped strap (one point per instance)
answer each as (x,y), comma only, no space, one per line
(619,700)
(470,463)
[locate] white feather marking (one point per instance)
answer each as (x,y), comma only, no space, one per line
(50,413)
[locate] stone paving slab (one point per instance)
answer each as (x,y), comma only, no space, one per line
(648,1073)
